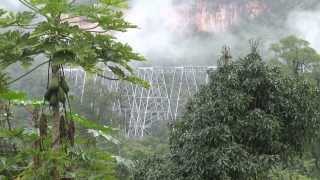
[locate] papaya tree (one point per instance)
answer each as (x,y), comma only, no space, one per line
(63,33)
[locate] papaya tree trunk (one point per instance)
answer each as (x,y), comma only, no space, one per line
(56,112)
(55,119)
(36,143)
(56,127)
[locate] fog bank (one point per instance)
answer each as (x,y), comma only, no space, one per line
(306,24)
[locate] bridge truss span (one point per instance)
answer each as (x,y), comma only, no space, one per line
(141,109)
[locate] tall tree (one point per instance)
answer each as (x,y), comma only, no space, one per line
(249,118)
(295,53)
(65,33)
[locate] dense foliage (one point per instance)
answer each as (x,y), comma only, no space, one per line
(249,119)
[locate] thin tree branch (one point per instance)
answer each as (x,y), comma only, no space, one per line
(108,78)
(27,73)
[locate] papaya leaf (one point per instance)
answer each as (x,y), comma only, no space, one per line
(13,95)
(90,124)
(136,80)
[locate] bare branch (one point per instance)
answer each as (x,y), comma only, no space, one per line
(27,73)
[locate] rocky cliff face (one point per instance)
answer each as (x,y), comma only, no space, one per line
(214,16)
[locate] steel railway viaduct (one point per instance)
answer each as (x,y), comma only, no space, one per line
(140,108)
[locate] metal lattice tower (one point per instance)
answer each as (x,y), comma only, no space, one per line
(140,108)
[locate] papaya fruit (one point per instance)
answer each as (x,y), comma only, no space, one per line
(54,100)
(61,95)
(54,84)
(64,85)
